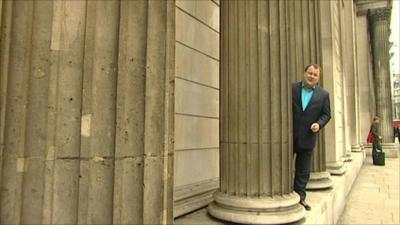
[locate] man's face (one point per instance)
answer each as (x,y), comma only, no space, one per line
(311,77)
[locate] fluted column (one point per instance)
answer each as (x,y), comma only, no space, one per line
(14,127)
(352,84)
(306,42)
(87,112)
(256,144)
(320,178)
(379,20)
(143,184)
(5,22)
(366,98)
(332,81)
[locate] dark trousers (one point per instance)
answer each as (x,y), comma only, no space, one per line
(376,145)
(302,171)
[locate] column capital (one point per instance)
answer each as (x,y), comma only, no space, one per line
(379,14)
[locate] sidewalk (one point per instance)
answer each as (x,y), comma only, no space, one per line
(366,193)
(374,197)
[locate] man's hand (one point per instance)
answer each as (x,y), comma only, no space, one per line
(315,127)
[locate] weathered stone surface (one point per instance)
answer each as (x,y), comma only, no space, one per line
(366,94)
(256,146)
(65,191)
(128,191)
(332,80)
(64,107)
(379,20)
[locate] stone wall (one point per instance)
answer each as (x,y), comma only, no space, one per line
(196,170)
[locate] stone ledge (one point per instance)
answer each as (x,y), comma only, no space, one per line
(190,197)
(327,205)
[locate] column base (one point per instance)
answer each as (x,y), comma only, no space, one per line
(319,180)
(337,168)
(347,157)
(356,148)
(263,210)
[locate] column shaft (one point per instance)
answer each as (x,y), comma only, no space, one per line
(306,29)
(332,81)
(351,76)
(379,20)
(130,118)
(256,145)
(65,99)
(366,103)
(15,110)
(87,105)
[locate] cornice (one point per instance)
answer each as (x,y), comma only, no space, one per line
(363,6)
(379,14)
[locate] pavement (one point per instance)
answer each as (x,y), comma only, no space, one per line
(373,199)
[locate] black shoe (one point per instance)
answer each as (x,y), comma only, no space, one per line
(306,206)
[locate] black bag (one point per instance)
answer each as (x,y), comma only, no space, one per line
(378,158)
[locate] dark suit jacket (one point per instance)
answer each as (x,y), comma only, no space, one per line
(317,111)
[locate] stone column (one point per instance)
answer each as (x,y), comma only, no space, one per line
(87,104)
(332,81)
(352,84)
(15,111)
(379,20)
(143,186)
(320,178)
(307,46)
(366,100)
(349,75)
(256,155)
(5,25)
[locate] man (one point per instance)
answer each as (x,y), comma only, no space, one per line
(311,112)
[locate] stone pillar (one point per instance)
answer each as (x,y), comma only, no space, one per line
(145,114)
(5,25)
(366,97)
(87,104)
(379,20)
(307,49)
(256,155)
(320,178)
(332,81)
(349,74)
(352,84)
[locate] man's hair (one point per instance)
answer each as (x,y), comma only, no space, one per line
(316,66)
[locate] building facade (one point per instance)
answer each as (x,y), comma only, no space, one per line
(137,112)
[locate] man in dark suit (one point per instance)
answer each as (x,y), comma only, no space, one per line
(311,112)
